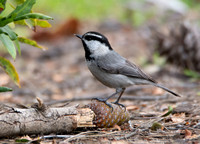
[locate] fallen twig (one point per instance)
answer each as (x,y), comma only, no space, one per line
(90,134)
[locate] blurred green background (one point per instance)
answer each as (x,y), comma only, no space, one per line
(83,9)
(98,10)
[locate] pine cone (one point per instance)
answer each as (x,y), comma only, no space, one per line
(181,46)
(106,116)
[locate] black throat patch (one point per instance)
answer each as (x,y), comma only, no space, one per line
(87,52)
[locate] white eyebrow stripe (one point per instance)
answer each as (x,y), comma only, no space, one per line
(90,34)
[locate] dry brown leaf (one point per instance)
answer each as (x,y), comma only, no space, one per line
(132,108)
(58,78)
(57,97)
(119,142)
(26,137)
(194,136)
(117,127)
(143,105)
(158,91)
(68,28)
(178,118)
(187,123)
(188,133)
(49,142)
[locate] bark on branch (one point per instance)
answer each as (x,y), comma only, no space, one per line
(43,120)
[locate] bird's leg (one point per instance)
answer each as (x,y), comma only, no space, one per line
(105,100)
(117,101)
(117,91)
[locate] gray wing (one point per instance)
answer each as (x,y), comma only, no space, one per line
(116,64)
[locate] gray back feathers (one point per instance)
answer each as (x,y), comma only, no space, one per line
(115,64)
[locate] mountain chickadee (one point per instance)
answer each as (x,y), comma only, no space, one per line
(110,68)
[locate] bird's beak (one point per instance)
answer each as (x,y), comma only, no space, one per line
(79,36)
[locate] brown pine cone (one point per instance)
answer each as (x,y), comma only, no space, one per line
(106,117)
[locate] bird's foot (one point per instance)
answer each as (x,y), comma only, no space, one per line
(117,103)
(104,101)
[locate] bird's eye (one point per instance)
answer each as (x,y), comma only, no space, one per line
(88,38)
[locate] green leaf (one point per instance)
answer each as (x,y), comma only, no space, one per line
(43,24)
(157,59)
(31,42)
(4,21)
(18,46)
(192,74)
(33,16)
(10,70)
(20,22)
(8,31)
(22,140)
(19,11)
(5,89)
(15,3)
(8,43)
(2,5)
(22,9)
(156,126)
(31,23)
(170,109)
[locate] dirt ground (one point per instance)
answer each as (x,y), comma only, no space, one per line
(60,75)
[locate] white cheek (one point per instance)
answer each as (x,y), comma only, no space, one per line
(97,48)
(92,45)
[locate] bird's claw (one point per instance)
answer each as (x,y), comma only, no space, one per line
(104,101)
(117,103)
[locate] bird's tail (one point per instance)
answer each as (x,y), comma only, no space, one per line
(166,89)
